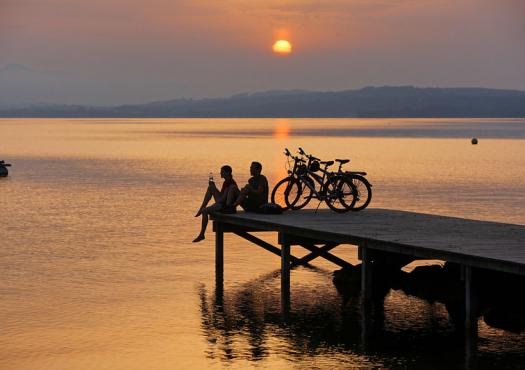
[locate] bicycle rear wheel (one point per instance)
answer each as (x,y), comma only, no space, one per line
(339,194)
(299,195)
(280,192)
(364,192)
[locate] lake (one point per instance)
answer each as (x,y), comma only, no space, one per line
(97,268)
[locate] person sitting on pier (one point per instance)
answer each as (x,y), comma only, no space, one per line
(223,199)
(255,193)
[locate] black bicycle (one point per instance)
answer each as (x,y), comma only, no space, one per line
(303,184)
(362,187)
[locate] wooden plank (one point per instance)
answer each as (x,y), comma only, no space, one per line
(230,228)
(492,245)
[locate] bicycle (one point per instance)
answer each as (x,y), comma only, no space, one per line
(338,193)
(300,186)
(363,187)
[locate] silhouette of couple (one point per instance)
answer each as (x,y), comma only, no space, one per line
(250,197)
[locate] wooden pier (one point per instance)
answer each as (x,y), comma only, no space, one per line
(381,234)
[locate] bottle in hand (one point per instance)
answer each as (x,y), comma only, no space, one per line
(210,178)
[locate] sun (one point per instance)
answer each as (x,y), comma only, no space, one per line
(282,47)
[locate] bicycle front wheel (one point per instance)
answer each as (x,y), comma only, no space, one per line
(280,192)
(299,195)
(339,194)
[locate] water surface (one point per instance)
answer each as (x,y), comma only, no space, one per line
(97,268)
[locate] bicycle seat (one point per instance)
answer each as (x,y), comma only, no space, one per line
(328,163)
(356,173)
(313,158)
(342,161)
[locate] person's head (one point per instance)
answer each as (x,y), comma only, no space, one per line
(226,171)
(255,168)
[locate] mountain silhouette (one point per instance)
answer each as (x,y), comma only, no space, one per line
(387,101)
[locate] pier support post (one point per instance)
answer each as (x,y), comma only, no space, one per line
(470,300)
(285,274)
(366,271)
(219,253)
(471,318)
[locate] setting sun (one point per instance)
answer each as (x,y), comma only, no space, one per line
(282,47)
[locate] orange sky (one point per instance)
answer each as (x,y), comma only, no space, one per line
(117,51)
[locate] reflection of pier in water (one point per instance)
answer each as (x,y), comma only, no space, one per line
(246,323)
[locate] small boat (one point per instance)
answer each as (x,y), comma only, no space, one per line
(3,169)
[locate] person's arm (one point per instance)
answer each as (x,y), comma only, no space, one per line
(222,198)
(262,184)
(259,189)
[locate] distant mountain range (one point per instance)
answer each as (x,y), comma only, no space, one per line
(387,101)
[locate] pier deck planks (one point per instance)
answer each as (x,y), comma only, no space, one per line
(491,245)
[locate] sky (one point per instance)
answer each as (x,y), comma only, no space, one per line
(106,52)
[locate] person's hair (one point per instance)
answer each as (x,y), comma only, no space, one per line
(257,166)
(227,169)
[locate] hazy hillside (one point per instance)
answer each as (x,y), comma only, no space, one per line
(404,101)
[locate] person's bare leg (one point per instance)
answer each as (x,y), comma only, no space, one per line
(212,191)
(232,195)
(205,212)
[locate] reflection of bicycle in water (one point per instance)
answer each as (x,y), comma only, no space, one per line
(303,184)
(296,190)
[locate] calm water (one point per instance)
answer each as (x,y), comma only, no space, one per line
(97,270)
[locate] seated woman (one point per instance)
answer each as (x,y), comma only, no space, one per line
(223,199)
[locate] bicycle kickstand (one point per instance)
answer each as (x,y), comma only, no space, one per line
(318,205)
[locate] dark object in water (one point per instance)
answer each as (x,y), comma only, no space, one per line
(506,318)
(474,141)
(3,169)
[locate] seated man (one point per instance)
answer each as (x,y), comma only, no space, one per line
(223,199)
(255,194)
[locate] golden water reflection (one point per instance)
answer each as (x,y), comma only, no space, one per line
(282,129)
(97,268)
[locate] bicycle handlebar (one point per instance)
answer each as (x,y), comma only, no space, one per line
(288,154)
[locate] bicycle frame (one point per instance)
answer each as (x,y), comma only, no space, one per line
(305,179)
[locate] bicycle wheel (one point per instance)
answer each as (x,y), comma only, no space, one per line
(339,194)
(300,194)
(280,191)
(364,192)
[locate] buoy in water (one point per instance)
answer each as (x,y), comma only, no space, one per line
(474,141)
